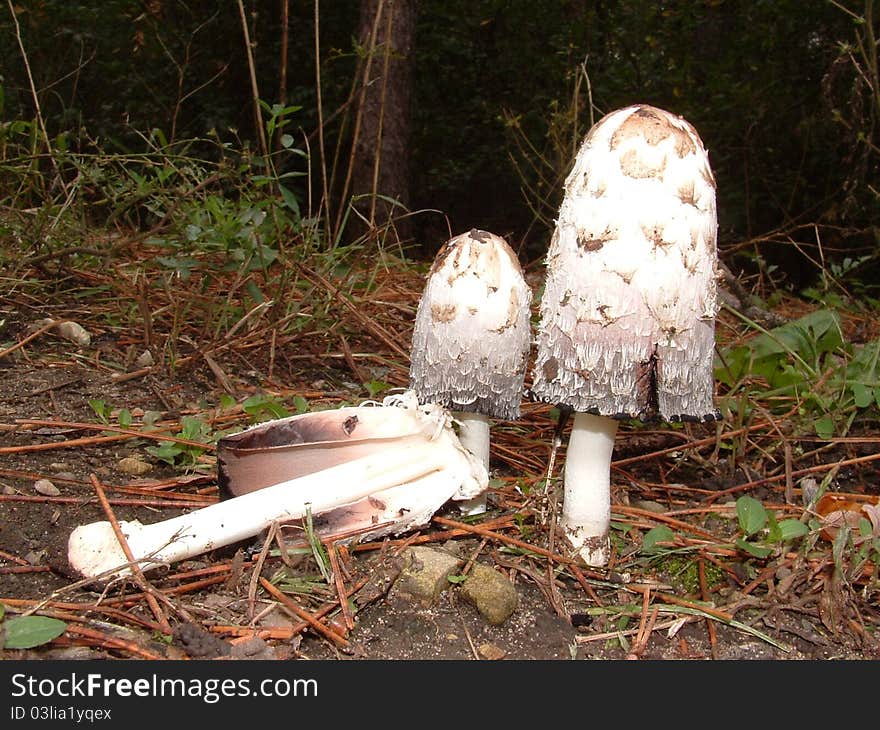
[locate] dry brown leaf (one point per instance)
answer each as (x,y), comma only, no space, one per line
(837,510)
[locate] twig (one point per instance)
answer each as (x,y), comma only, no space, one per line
(135,568)
(103,639)
(255,92)
(282,63)
(36,98)
(62,610)
(582,581)
(320,108)
(473,558)
(13,558)
(21,343)
(85,441)
(764,575)
(704,592)
(692,610)
(10,569)
(628,632)
(340,585)
(635,511)
(130,432)
(478,530)
(539,581)
(288,632)
(349,360)
(798,473)
(464,626)
(646,626)
(438,536)
(290,604)
(258,568)
(355,138)
(161,503)
(689,445)
(276,633)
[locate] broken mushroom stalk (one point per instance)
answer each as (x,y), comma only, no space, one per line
(627,317)
(471,339)
(369,470)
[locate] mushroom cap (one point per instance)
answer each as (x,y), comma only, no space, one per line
(627,318)
(471,336)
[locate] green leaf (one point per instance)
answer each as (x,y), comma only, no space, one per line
(167,452)
(656,535)
(376,387)
(791,528)
(811,335)
(749,547)
(124,418)
(254,291)
(261,406)
(24,632)
(101,409)
(824,427)
(182,267)
(862,397)
(289,200)
(774,532)
(751,514)
(456,578)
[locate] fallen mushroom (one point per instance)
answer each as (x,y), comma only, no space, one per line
(402,463)
(627,317)
(471,338)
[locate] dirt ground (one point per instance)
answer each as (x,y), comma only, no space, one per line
(796,608)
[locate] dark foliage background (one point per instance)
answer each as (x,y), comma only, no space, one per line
(781,91)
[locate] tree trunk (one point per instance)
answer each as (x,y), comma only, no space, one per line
(380,165)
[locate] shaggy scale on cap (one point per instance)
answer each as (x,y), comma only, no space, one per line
(471,336)
(628,311)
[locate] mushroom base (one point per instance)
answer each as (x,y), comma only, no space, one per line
(594,550)
(586,505)
(473,433)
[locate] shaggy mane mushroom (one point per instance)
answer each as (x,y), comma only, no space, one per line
(627,317)
(471,338)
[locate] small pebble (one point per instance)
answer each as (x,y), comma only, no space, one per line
(69,331)
(145,360)
(133,465)
(491,652)
(46,488)
(35,557)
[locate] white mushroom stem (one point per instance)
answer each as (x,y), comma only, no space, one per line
(586,507)
(93,549)
(473,433)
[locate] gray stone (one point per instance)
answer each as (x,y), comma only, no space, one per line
(490,592)
(424,575)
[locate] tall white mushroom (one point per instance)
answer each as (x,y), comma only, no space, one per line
(628,311)
(471,338)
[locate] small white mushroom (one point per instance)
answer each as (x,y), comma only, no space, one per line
(627,326)
(471,338)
